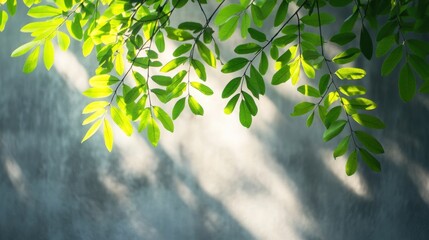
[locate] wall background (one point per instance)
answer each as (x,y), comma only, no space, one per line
(211,179)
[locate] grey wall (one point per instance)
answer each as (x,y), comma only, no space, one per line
(211,179)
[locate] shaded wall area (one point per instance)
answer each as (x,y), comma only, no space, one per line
(211,179)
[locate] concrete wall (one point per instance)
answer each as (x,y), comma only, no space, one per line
(211,179)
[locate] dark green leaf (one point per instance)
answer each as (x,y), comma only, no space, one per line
(333,130)
(257,35)
(352,163)
(234,65)
(370,160)
(244,115)
(391,61)
(407,83)
(366,43)
(371,143)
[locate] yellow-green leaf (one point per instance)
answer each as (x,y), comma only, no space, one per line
(153,132)
(121,120)
(48,54)
(108,135)
(91,130)
(31,62)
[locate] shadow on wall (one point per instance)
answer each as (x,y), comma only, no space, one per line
(212,179)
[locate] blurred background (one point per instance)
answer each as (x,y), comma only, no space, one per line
(211,178)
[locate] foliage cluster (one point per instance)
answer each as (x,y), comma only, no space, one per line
(128,37)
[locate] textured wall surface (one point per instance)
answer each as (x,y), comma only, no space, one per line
(211,179)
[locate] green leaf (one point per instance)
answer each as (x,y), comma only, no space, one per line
(234,65)
(257,35)
(281,76)
(227,12)
(419,47)
(407,83)
(121,120)
(63,40)
(332,116)
(368,121)
(263,63)
(108,135)
(391,61)
(308,69)
(350,73)
(162,80)
(75,27)
(91,130)
(352,163)
(420,65)
(343,38)
(103,80)
(245,24)
(31,61)
(244,115)
(227,29)
(250,103)
(199,68)
(384,46)
(164,118)
(247,48)
(159,41)
(313,20)
(195,107)
(178,108)
(333,130)
(23,49)
(371,143)
(182,49)
(229,108)
(324,83)
(231,87)
(202,88)
(370,160)
(281,13)
(302,108)
(173,64)
(178,34)
(256,82)
(206,54)
(347,56)
(310,119)
(153,132)
(366,43)
(360,103)
(342,147)
(308,90)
